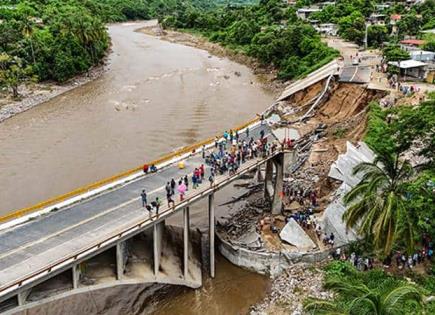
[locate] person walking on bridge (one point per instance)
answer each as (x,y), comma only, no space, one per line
(173,184)
(181,189)
(144,198)
(186,182)
(168,188)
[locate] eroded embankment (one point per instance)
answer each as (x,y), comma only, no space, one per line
(340,117)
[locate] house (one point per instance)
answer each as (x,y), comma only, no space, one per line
(377,19)
(411,44)
(304,13)
(422,55)
(330,29)
(322,5)
(381,7)
(410,69)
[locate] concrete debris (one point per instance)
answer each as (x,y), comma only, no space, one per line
(293,234)
(241,228)
(342,170)
(291,288)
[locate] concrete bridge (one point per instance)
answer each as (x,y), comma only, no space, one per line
(105,238)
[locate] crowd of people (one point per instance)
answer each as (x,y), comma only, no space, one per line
(401,259)
(362,263)
(229,153)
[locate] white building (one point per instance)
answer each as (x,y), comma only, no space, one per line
(305,13)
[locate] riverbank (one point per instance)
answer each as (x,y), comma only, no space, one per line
(34,94)
(291,288)
(266,74)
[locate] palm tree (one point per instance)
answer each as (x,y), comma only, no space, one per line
(377,205)
(28,33)
(365,301)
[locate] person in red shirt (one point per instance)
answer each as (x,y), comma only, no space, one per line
(145,168)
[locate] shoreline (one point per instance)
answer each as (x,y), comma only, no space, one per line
(33,95)
(267,75)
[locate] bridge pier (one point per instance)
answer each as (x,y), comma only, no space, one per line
(186,223)
(268,181)
(76,274)
(211,234)
(22,296)
(157,245)
(273,188)
(278,161)
(121,259)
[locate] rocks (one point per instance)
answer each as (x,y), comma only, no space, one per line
(290,289)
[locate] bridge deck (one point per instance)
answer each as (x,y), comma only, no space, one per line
(52,237)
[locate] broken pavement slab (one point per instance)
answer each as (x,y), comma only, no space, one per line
(293,234)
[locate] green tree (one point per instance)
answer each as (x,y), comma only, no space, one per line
(395,53)
(366,301)
(13,73)
(352,27)
(377,204)
(377,35)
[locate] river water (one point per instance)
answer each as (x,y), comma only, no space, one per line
(156,96)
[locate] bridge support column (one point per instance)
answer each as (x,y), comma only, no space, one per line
(289,161)
(121,259)
(157,245)
(186,220)
(268,181)
(22,296)
(278,161)
(76,274)
(211,234)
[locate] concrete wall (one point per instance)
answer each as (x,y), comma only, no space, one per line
(269,263)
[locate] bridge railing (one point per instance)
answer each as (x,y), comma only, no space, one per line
(219,182)
(82,190)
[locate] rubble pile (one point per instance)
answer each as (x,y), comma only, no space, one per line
(290,289)
(243,222)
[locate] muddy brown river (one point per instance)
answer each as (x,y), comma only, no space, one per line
(155,97)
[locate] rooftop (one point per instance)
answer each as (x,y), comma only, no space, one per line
(407,64)
(415,42)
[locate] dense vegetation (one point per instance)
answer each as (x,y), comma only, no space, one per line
(57,39)
(372,292)
(268,31)
(393,206)
(351,16)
